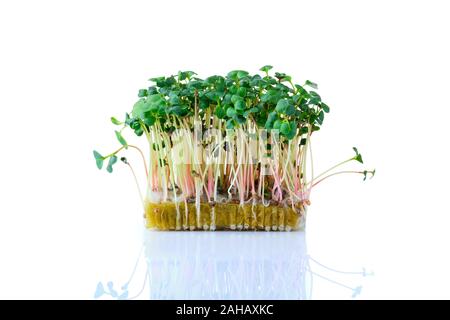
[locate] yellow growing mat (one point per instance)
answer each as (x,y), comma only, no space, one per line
(222,216)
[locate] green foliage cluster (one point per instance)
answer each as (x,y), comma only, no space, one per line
(275,172)
(270,101)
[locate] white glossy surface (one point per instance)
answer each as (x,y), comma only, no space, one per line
(229,265)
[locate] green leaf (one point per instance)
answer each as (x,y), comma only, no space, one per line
(272,116)
(174,99)
(139,132)
(149,120)
(358,156)
(320,117)
(233,90)
(290,110)
(182,75)
(282,105)
(266,68)
(232,74)
(253,110)
(111,162)
(242,74)
(272,96)
(277,124)
(231,112)
(179,111)
(220,112)
(325,107)
(213,95)
(135,124)
(292,130)
(152,90)
(296,98)
(288,129)
(301,90)
(142,93)
(365,172)
(127,118)
(240,105)
(285,128)
(204,104)
(170,81)
(157,79)
(139,108)
(242,91)
(270,120)
(121,139)
(116,122)
(311,84)
(152,103)
(282,76)
(98,159)
(235,98)
(314,98)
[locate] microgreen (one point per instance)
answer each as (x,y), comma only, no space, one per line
(311,84)
(116,122)
(358,156)
(121,139)
(111,162)
(175,112)
(98,159)
(366,172)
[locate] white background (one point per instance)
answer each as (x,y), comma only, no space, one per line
(67,66)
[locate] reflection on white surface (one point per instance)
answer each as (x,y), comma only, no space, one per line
(226,265)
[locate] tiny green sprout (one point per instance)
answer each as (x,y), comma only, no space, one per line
(282,76)
(183,75)
(116,122)
(98,159)
(365,172)
(266,68)
(358,156)
(124,160)
(121,139)
(111,162)
(311,84)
